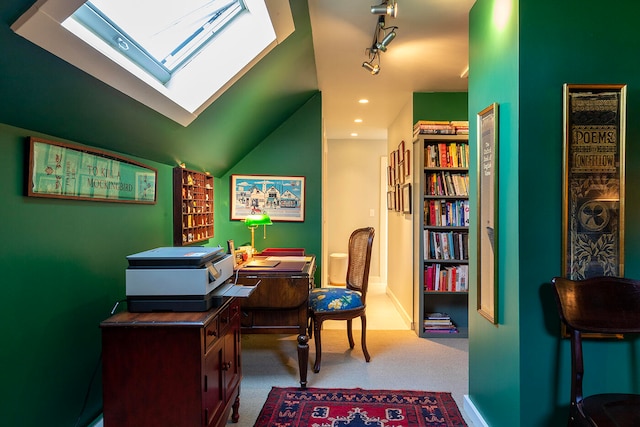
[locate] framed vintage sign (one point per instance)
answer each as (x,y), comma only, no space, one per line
(281,197)
(487,121)
(60,170)
(594,175)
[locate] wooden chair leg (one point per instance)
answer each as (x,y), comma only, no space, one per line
(350,333)
(317,325)
(367,357)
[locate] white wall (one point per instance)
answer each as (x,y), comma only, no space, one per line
(400,226)
(352,195)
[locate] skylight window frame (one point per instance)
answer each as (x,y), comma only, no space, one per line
(104,26)
(182,99)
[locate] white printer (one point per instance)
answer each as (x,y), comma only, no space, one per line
(177,278)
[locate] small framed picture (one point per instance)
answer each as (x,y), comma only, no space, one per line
(406,198)
(231,247)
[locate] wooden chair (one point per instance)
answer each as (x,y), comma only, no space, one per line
(602,305)
(345,303)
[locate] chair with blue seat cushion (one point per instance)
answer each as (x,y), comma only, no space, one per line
(345,303)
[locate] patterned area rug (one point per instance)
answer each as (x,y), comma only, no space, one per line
(319,407)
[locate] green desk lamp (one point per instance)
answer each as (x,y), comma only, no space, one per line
(253,221)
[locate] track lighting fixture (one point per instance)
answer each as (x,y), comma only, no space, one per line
(389,8)
(382,45)
(382,37)
(372,68)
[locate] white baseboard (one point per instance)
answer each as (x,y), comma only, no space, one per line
(97,422)
(406,318)
(472,412)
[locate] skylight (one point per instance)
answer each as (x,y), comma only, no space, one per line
(158,39)
(188,51)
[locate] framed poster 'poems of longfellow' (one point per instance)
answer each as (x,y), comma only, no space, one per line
(594,172)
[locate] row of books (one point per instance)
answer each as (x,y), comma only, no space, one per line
(446,245)
(439,323)
(447,155)
(441,127)
(444,183)
(446,213)
(446,278)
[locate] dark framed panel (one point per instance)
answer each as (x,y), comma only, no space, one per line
(594,177)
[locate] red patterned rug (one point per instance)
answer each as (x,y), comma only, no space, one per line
(320,407)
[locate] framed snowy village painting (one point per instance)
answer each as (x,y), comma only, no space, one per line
(281,197)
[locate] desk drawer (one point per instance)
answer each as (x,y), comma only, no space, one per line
(280,293)
(211,333)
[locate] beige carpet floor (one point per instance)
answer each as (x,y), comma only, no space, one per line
(399,360)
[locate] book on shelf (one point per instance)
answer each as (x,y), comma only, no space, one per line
(447,213)
(451,278)
(447,155)
(437,316)
(441,127)
(446,245)
(439,323)
(445,183)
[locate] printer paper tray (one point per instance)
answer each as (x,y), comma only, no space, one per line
(145,304)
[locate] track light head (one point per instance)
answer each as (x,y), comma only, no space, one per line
(382,45)
(389,8)
(371,68)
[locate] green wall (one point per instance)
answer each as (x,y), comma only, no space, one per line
(294,149)
(493,352)
(440,106)
(63,265)
(519,371)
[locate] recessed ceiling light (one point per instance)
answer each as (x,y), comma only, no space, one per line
(358,120)
(354,134)
(363,101)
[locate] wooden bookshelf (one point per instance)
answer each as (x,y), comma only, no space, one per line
(442,234)
(192,207)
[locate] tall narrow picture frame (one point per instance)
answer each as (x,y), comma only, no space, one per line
(594,122)
(487,121)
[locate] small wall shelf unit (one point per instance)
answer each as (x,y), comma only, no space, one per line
(192,206)
(441,234)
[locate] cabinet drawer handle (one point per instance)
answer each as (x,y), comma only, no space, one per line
(226,366)
(212,333)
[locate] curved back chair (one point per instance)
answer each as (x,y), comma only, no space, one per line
(603,305)
(345,303)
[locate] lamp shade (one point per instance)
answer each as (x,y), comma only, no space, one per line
(258,219)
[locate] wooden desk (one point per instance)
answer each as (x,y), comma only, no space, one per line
(172,369)
(279,305)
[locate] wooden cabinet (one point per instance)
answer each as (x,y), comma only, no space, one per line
(192,206)
(172,369)
(442,234)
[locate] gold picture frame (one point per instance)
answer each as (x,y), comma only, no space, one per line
(594,122)
(487,298)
